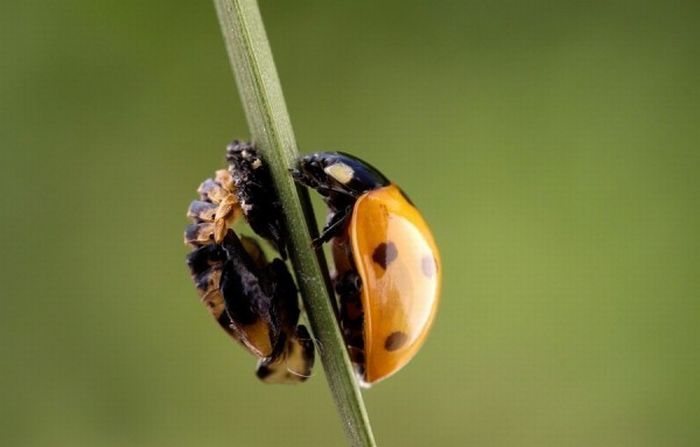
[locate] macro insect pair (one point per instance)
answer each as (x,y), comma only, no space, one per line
(387,266)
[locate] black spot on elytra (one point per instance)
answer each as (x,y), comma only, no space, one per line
(395,340)
(429,266)
(384,254)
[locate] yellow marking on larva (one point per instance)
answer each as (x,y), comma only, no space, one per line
(340,171)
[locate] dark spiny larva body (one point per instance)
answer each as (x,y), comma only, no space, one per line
(255,193)
(253,300)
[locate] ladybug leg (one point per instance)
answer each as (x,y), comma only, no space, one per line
(336,225)
(348,286)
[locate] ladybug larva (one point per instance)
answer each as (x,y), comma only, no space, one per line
(253,300)
(388,268)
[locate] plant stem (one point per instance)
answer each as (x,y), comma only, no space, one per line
(271,130)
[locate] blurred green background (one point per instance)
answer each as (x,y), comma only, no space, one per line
(553,146)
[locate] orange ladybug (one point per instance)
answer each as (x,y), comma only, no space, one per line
(388,268)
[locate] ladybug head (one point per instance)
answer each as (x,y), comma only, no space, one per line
(329,172)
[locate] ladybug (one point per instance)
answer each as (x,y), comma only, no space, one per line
(253,300)
(387,266)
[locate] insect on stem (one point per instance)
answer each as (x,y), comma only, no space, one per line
(271,130)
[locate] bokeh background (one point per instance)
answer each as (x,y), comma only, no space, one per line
(553,146)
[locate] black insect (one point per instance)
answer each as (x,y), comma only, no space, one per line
(256,197)
(253,300)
